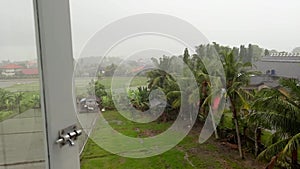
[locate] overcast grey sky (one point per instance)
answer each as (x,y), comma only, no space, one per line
(272,24)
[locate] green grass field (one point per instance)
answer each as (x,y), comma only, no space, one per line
(118,82)
(33,86)
(187,154)
(81,84)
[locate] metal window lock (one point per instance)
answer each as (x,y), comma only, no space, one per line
(68,135)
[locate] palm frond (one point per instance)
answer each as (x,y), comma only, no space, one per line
(275,120)
(293,85)
(293,144)
(273,150)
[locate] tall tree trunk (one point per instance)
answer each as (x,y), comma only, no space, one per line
(257,136)
(238,137)
(237,128)
(295,156)
(245,134)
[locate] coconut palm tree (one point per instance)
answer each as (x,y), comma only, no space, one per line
(278,109)
(196,65)
(237,76)
(160,76)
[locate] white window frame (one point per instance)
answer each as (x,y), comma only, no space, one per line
(54,48)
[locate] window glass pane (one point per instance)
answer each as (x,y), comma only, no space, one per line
(21,122)
(143,66)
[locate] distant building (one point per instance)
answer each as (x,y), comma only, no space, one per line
(280,65)
(14,69)
(11,69)
(274,67)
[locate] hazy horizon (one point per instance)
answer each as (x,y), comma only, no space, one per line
(269,24)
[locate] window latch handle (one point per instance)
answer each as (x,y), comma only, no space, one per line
(68,135)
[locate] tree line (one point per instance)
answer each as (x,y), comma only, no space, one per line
(12,103)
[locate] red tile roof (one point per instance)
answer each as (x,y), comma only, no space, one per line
(11,66)
(30,71)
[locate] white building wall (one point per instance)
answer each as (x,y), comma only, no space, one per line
(281,67)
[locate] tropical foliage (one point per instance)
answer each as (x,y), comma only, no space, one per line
(17,102)
(249,111)
(279,111)
(139,98)
(237,76)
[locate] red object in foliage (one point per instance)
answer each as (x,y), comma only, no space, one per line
(216,103)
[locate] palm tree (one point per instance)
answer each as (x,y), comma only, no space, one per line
(163,80)
(160,76)
(237,76)
(176,95)
(279,110)
(196,65)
